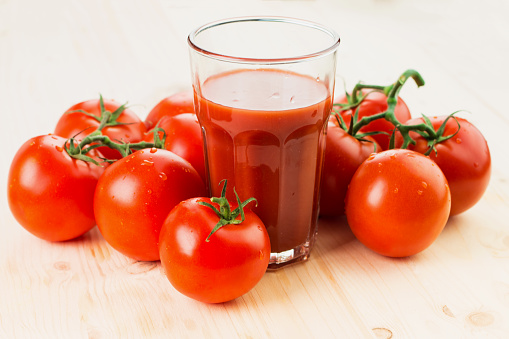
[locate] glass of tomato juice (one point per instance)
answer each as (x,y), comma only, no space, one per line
(263,89)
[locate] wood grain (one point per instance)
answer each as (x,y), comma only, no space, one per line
(57,53)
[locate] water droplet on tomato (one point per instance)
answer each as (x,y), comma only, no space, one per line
(54,138)
(393,156)
(261,255)
(458,140)
(32,143)
(60,149)
(419,192)
(132,169)
(371,156)
(424,184)
(396,190)
(446,186)
(275,95)
(153,150)
(163,176)
(149,191)
(317,79)
(260,228)
(292,99)
(147,163)
(379,164)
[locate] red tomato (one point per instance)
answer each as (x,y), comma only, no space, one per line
(465,159)
(398,202)
(135,194)
(230,264)
(184,138)
(181,102)
(374,103)
(343,155)
(70,124)
(51,194)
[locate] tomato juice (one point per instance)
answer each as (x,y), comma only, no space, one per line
(264,133)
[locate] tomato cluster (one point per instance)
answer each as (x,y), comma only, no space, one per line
(104,166)
(396,178)
(421,171)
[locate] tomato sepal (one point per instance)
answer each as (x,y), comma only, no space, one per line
(111,116)
(225,214)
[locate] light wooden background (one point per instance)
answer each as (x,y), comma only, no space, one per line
(55,53)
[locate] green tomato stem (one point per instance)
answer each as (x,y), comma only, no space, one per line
(97,139)
(392,93)
(358,89)
(225,214)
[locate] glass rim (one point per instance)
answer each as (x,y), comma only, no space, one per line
(191,40)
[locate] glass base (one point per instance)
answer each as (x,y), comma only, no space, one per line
(295,255)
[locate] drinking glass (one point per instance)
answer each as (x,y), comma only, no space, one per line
(263,90)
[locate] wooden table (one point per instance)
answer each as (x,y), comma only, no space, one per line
(57,53)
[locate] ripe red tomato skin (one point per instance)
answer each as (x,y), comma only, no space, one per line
(343,155)
(46,186)
(226,267)
(465,160)
(184,138)
(376,102)
(70,124)
(181,102)
(135,194)
(398,203)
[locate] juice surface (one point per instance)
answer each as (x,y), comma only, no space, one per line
(264,132)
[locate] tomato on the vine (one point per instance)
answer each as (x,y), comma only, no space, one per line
(343,155)
(181,102)
(209,264)
(83,118)
(184,138)
(135,194)
(50,193)
(398,202)
(374,103)
(464,158)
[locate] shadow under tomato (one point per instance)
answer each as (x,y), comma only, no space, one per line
(92,235)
